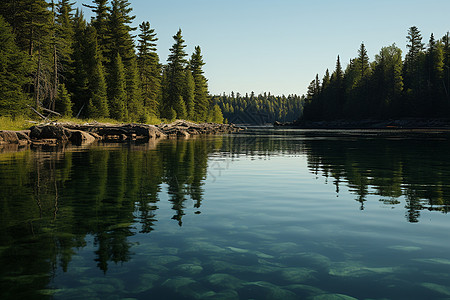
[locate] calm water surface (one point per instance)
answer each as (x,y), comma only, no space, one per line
(260,215)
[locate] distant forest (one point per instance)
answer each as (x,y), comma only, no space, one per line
(389,87)
(52,58)
(259,109)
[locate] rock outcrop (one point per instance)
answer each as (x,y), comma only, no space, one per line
(62,133)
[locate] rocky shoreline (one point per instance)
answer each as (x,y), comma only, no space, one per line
(410,123)
(53,134)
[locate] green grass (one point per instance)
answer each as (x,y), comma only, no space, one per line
(22,123)
(18,123)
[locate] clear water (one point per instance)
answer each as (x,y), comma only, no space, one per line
(261,215)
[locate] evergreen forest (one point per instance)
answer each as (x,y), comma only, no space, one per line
(52,58)
(416,86)
(259,109)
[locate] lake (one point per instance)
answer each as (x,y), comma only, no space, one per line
(264,214)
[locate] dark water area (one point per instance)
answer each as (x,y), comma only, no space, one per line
(265,214)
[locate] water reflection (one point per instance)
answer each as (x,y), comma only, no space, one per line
(53,203)
(415,167)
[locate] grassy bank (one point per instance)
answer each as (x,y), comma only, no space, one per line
(21,123)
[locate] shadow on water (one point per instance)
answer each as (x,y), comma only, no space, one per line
(52,201)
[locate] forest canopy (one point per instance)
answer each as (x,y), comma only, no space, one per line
(51,57)
(392,86)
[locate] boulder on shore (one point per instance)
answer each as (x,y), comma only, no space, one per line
(61,133)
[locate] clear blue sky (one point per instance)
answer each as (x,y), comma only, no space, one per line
(278,46)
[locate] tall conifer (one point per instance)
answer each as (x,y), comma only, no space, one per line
(173,98)
(201,99)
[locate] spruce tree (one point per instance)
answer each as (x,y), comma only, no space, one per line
(413,72)
(434,69)
(100,22)
(120,42)
(175,79)
(135,105)
(118,96)
(149,69)
(201,99)
(14,70)
(189,95)
(64,39)
(63,102)
(362,63)
(97,92)
(217,116)
(79,84)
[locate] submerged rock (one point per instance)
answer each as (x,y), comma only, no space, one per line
(189,269)
(266,290)
(441,289)
(405,248)
(440,261)
(297,275)
(163,259)
(333,297)
(355,269)
(238,250)
(178,282)
(223,295)
(224,281)
(145,283)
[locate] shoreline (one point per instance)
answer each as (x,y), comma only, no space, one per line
(56,134)
(392,124)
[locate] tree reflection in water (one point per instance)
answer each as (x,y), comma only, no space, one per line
(51,202)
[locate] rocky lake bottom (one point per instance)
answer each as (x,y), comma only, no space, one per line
(273,214)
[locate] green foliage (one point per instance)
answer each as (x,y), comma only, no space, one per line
(149,70)
(175,79)
(64,39)
(388,87)
(94,64)
(63,103)
(258,109)
(97,90)
(217,116)
(189,95)
(13,73)
(118,96)
(201,99)
(135,105)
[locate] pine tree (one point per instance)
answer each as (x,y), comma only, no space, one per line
(149,69)
(120,42)
(13,73)
(61,42)
(175,79)
(201,99)
(78,86)
(135,105)
(362,63)
(434,68)
(97,91)
(446,61)
(189,95)
(64,39)
(217,116)
(63,102)
(118,96)
(100,22)
(413,71)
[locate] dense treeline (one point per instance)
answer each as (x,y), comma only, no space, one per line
(259,109)
(389,87)
(51,57)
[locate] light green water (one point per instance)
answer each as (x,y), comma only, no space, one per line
(261,215)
